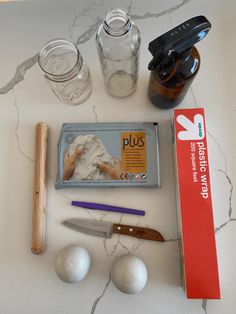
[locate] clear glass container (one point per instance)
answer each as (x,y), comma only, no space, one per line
(64,70)
(118,44)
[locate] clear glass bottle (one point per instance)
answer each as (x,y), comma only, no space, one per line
(64,70)
(118,44)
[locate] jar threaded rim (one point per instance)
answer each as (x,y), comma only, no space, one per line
(51,47)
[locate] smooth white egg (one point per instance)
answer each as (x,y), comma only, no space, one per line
(72,263)
(129,274)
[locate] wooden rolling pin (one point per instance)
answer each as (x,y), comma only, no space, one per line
(39,192)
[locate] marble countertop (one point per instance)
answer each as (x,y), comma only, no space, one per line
(28,282)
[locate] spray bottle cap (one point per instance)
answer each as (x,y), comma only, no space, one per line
(178,40)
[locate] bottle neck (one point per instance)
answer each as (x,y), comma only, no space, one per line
(185,54)
(60,60)
(117,22)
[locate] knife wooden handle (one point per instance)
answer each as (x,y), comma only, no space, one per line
(39,191)
(138,232)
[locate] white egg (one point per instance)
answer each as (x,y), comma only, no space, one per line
(72,263)
(129,274)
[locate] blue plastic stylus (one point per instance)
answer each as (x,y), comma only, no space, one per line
(110,208)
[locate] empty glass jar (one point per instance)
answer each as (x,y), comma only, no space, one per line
(66,73)
(118,45)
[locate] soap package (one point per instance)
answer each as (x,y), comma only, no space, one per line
(108,155)
(194,206)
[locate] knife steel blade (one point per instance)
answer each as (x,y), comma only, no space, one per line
(106,229)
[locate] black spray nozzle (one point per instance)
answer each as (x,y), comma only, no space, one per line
(178,40)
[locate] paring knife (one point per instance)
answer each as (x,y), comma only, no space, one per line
(106,229)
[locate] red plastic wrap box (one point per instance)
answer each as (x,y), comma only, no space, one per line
(194,206)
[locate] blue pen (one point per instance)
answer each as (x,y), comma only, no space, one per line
(109,208)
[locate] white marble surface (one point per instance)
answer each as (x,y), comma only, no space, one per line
(28,283)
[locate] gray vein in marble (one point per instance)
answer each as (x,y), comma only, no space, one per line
(98,299)
(73,22)
(231,192)
(194,97)
(172,240)
(208,132)
(17,129)
(95,113)
(118,243)
(87,35)
(224,224)
(115,245)
(121,217)
(230,211)
(103,216)
(204,305)
(137,245)
(63,195)
(19,74)
(130,6)
(70,199)
(59,193)
(156,15)
(106,249)
(140,242)
(86,12)
(219,148)
(123,246)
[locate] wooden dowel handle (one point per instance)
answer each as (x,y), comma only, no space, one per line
(39,191)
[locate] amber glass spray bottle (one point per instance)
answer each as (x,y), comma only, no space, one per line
(175,62)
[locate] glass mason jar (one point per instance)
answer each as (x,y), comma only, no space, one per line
(118,44)
(65,72)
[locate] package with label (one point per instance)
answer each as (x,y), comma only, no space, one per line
(194,206)
(108,155)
